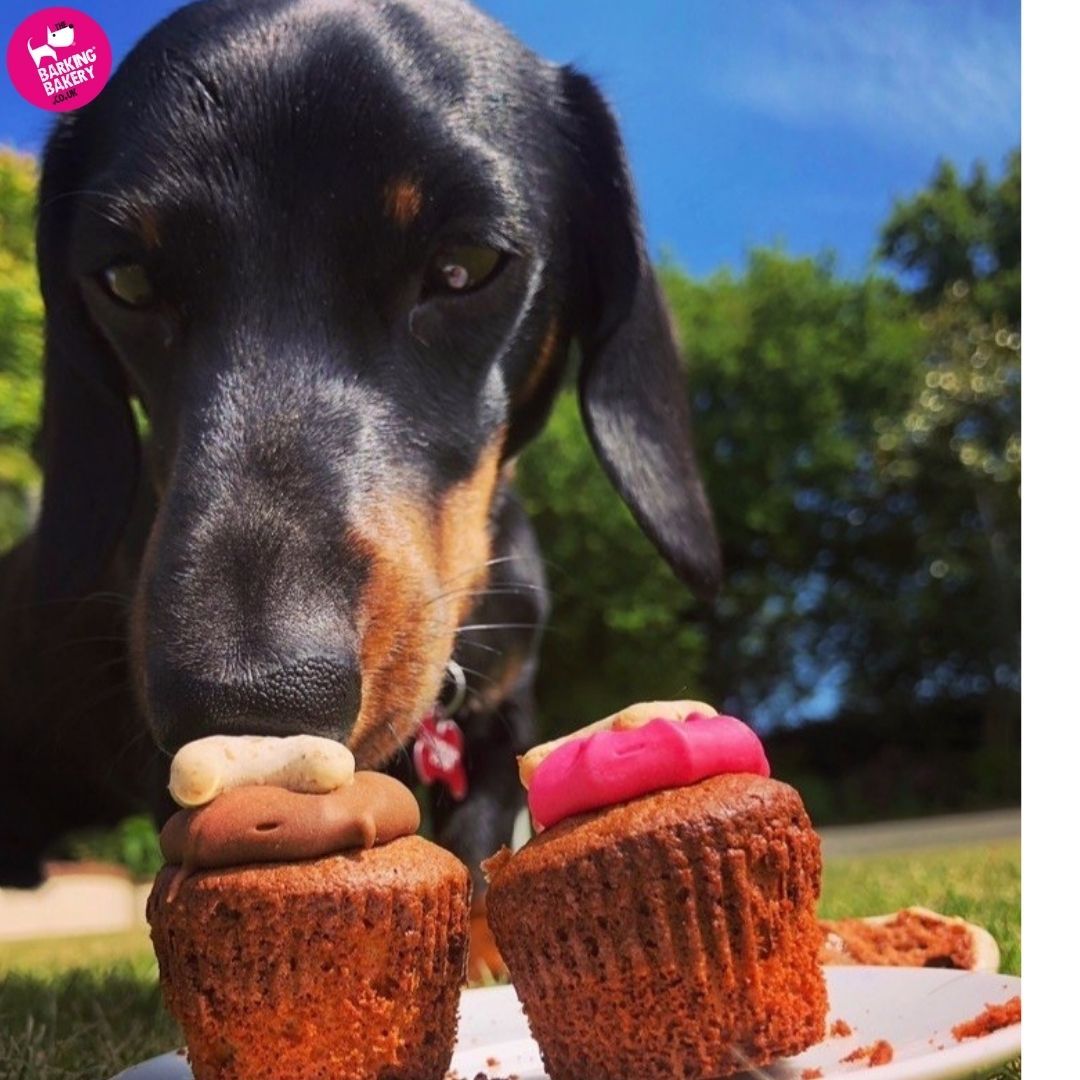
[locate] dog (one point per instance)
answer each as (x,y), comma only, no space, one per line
(54,39)
(336,252)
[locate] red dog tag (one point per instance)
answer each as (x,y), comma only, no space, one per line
(439,754)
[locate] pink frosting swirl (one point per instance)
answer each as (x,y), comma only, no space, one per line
(615,766)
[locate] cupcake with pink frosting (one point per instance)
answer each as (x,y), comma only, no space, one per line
(662,923)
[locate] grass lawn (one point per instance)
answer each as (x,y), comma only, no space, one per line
(80,1007)
(87,1007)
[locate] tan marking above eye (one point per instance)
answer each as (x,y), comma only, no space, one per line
(403,199)
(148,230)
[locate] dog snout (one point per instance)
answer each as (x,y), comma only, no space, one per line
(313,695)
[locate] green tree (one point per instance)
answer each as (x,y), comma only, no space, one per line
(20,343)
(789,367)
(954,453)
(860,445)
(623,628)
(921,613)
(956,232)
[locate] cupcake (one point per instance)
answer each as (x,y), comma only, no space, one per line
(662,924)
(305,936)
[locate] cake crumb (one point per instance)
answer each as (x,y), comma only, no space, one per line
(840,1029)
(492,1063)
(910,938)
(811,1074)
(880,1053)
(990,1019)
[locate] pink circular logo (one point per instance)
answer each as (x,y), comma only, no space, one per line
(59,59)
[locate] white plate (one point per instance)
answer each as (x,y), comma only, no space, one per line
(913,1008)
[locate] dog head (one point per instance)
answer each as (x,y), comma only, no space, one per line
(62,38)
(338,253)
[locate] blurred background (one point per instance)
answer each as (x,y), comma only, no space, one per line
(832,191)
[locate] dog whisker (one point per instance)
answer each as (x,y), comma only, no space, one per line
(134,740)
(509,587)
(397,736)
(93,702)
(479,645)
(434,621)
(497,561)
(99,639)
(118,600)
(77,192)
(105,594)
(477,567)
(59,688)
(479,675)
(498,590)
(116,210)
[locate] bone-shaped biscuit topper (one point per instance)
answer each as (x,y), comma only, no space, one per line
(633,716)
(203,769)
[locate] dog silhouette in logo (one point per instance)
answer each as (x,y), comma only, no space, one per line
(56,39)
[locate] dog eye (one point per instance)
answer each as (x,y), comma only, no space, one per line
(461,269)
(130,284)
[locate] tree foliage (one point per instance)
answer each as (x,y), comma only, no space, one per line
(20,343)
(785,415)
(623,628)
(860,443)
(968,233)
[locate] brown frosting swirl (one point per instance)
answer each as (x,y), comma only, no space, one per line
(269,824)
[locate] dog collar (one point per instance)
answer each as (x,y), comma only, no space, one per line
(439,749)
(439,754)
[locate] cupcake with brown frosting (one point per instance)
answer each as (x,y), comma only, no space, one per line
(662,924)
(305,936)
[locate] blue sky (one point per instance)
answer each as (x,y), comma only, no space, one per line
(747,122)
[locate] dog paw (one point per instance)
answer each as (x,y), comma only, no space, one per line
(486,965)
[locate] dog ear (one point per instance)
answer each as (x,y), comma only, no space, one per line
(89,442)
(632,388)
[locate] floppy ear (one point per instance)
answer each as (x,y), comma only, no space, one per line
(89,442)
(631,386)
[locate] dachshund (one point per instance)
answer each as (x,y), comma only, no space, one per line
(313,274)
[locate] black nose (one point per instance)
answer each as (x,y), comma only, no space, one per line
(316,695)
